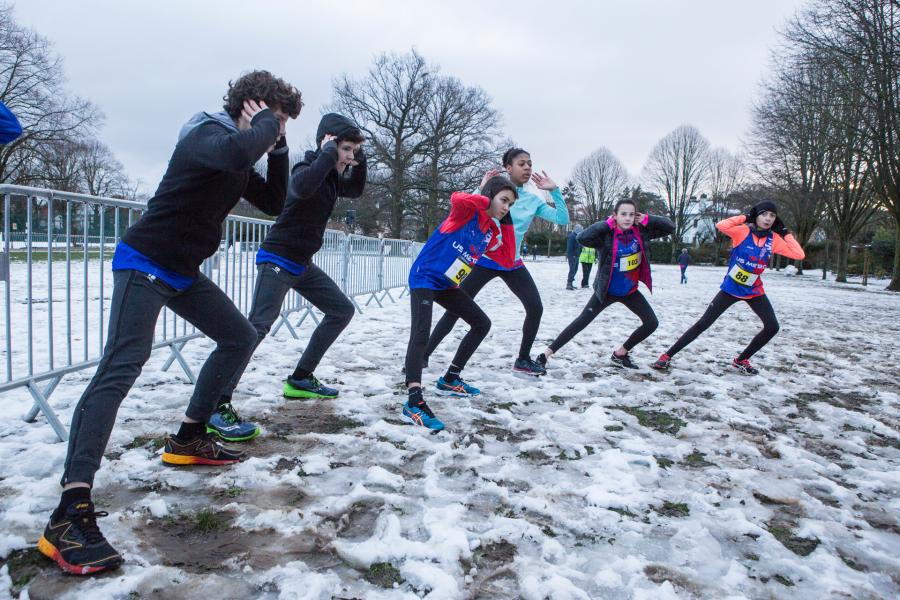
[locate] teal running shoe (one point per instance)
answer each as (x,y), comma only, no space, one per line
(457,388)
(421,415)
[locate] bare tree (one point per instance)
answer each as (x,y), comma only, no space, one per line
(677,167)
(860,40)
(597,181)
(726,177)
(31,85)
(462,132)
(391,107)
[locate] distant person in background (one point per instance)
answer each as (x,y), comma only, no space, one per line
(588,258)
(534,253)
(573,250)
(524,251)
(10,128)
(684,260)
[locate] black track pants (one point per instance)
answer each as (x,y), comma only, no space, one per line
(458,304)
(722,302)
(136,303)
(520,283)
(585,273)
(635,302)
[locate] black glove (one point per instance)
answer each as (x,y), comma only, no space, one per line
(779,227)
(359,155)
(751,216)
(280,146)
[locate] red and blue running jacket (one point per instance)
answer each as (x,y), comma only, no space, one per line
(750,256)
(456,245)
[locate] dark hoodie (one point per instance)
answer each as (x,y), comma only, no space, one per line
(210,169)
(314,187)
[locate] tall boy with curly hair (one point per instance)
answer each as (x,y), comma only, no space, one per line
(157,264)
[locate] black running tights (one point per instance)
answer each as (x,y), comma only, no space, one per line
(457,303)
(635,302)
(722,302)
(520,283)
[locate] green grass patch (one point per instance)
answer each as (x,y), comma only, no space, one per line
(783,580)
(557,400)
(797,545)
(614,428)
(673,509)
(232,492)
(548,532)
(663,462)
(657,420)
(384,575)
(697,459)
(207,521)
(562,456)
(622,511)
(590,450)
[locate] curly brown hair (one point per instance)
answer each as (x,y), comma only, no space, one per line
(265,87)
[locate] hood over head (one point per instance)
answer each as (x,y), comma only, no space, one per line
(336,125)
(578,229)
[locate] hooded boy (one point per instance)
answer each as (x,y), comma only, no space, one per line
(157,264)
(284,262)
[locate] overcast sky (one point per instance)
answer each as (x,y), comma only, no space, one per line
(569,76)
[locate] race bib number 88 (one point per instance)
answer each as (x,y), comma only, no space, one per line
(630,262)
(742,276)
(458,271)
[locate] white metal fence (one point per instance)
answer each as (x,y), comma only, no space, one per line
(44,343)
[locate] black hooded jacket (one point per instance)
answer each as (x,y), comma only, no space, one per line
(600,236)
(210,169)
(314,187)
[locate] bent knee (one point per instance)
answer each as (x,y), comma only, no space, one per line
(482,325)
(772,328)
(651,324)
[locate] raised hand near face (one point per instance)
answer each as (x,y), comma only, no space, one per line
(543,181)
(250,110)
(488,175)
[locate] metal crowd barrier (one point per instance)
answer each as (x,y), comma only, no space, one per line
(70,268)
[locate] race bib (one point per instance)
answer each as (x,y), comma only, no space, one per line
(742,276)
(458,271)
(630,262)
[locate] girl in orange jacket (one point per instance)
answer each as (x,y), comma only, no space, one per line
(754,236)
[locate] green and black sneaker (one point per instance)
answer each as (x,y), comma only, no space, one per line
(228,425)
(308,388)
(74,541)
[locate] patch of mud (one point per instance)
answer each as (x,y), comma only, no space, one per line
(483,427)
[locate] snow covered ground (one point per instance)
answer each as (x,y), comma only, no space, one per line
(591,482)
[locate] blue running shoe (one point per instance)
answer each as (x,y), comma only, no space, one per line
(308,388)
(228,425)
(457,388)
(421,415)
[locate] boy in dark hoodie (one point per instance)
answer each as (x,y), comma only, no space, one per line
(284,261)
(157,264)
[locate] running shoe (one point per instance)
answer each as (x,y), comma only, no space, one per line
(662,363)
(74,541)
(457,388)
(228,425)
(584,287)
(744,367)
(308,388)
(542,360)
(569,286)
(529,367)
(623,361)
(421,415)
(202,451)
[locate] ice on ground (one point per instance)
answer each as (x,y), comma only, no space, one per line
(591,482)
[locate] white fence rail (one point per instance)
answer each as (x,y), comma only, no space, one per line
(43,343)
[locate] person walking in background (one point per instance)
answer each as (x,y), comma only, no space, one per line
(684,260)
(534,253)
(588,258)
(524,251)
(573,251)
(10,128)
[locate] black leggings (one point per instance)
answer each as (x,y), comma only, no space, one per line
(585,273)
(520,283)
(457,303)
(635,302)
(722,302)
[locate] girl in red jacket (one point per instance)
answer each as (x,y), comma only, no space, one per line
(754,236)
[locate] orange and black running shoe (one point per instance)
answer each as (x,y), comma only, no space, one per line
(74,541)
(202,451)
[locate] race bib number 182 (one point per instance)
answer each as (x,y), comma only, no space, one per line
(742,276)
(459,270)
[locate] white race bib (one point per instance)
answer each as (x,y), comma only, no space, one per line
(458,271)
(630,262)
(742,276)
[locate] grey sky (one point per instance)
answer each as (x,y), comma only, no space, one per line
(569,76)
